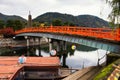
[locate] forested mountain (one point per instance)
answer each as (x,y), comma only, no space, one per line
(10,17)
(81,20)
(13,21)
(91,21)
(50,17)
(59,19)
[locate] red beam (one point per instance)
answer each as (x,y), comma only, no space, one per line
(102,33)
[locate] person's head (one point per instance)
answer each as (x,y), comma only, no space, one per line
(22,55)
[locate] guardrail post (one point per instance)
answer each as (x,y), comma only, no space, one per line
(51,27)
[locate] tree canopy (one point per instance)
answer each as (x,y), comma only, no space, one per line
(115,13)
(2,23)
(7,32)
(15,24)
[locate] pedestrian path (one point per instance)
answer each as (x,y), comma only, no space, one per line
(84,74)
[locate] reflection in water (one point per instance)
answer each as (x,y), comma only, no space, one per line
(43,53)
(81,59)
(83,56)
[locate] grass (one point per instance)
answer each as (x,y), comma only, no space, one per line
(105,72)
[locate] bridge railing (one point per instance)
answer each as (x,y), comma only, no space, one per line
(102,33)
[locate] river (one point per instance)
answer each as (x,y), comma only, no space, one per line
(79,58)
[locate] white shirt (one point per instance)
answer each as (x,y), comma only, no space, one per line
(22,59)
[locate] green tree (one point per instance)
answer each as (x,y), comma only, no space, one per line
(10,23)
(57,22)
(71,24)
(115,13)
(35,24)
(2,24)
(66,24)
(17,25)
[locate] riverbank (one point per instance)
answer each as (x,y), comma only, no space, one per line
(6,42)
(108,70)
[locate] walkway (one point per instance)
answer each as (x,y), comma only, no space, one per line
(84,74)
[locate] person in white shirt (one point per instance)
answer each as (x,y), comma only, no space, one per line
(21,59)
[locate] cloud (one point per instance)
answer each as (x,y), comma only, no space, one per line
(38,7)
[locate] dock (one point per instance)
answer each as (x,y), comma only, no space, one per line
(11,70)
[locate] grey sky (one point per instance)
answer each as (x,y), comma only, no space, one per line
(37,7)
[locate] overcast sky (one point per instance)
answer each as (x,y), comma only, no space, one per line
(37,7)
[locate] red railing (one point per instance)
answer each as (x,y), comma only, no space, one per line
(102,33)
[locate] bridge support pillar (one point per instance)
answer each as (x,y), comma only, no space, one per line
(39,40)
(58,46)
(64,45)
(27,44)
(33,42)
(38,47)
(61,45)
(28,53)
(64,54)
(50,44)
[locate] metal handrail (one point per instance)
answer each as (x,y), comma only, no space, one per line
(102,33)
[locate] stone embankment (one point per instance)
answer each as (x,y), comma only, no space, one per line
(5,42)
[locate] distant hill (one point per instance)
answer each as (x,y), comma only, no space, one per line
(81,20)
(10,17)
(49,17)
(91,21)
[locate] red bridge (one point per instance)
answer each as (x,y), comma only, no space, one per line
(100,33)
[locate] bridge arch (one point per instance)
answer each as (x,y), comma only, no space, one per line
(101,44)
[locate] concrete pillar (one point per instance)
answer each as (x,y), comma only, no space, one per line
(50,44)
(64,45)
(33,42)
(27,44)
(28,54)
(39,40)
(58,46)
(37,51)
(61,45)
(34,50)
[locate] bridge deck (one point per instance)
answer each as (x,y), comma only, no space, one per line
(102,38)
(101,33)
(9,66)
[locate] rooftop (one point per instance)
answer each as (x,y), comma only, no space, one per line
(9,65)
